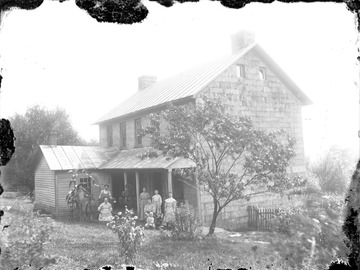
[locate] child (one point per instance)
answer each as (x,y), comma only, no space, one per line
(150,221)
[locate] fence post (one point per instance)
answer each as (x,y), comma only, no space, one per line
(256,217)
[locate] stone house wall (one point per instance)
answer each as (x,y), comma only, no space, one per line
(271,106)
(130,133)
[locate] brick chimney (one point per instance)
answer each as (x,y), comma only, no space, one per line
(241,40)
(145,81)
(53,137)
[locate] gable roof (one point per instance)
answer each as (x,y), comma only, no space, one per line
(61,158)
(189,83)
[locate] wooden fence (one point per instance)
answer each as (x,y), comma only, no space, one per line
(258,218)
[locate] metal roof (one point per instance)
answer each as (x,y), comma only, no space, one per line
(61,157)
(188,83)
(131,159)
(182,85)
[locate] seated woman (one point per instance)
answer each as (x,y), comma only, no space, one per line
(105,210)
(149,207)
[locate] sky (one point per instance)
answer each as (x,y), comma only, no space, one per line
(57,55)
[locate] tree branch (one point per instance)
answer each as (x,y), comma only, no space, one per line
(232,165)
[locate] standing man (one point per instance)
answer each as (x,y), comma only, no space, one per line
(144,197)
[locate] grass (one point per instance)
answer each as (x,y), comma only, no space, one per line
(92,245)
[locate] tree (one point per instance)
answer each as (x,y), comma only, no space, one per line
(333,170)
(234,160)
(31,130)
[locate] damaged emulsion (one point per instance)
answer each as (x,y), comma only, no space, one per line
(7,148)
(352,217)
(133,11)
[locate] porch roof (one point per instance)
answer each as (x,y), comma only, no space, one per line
(60,157)
(137,159)
(67,157)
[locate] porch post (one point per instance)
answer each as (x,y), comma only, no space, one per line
(170,181)
(137,193)
(198,200)
(125,179)
(148,184)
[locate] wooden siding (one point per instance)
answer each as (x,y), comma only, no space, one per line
(44,187)
(62,189)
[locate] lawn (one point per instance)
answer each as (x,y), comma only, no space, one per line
(92,245)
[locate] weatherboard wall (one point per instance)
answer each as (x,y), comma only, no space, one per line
(63,179)
(44,187)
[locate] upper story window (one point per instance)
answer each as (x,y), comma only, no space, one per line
(155,123)
(109,136)
(123,134)
(240,71)
(138,137)
(262,73)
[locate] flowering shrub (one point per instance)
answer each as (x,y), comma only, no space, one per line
(186,225)
(22,242)
(130,236)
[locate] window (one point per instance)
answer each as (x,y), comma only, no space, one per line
(86,184)
(138,137)
(262,73)
(123,134)
(109,134)
(240,71)
(155,124)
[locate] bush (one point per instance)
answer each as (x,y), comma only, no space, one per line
(283,220)
(22,242)
(310,236)
(186,225)
(129,235)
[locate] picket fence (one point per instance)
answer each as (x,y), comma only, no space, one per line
(259,218)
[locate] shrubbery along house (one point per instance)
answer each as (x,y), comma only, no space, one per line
(247,80)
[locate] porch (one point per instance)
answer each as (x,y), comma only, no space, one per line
(136,169)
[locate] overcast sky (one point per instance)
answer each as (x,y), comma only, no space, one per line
(58,55)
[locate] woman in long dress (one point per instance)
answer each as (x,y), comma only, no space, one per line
(105,210)
(170,208)
(144,197)
(105,193)
(156,199)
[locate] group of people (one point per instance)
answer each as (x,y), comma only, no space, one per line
(150,207)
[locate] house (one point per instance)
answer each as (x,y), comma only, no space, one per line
(250,83)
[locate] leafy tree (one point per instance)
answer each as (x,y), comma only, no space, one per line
(31,130)
(234,160)
(333,170)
